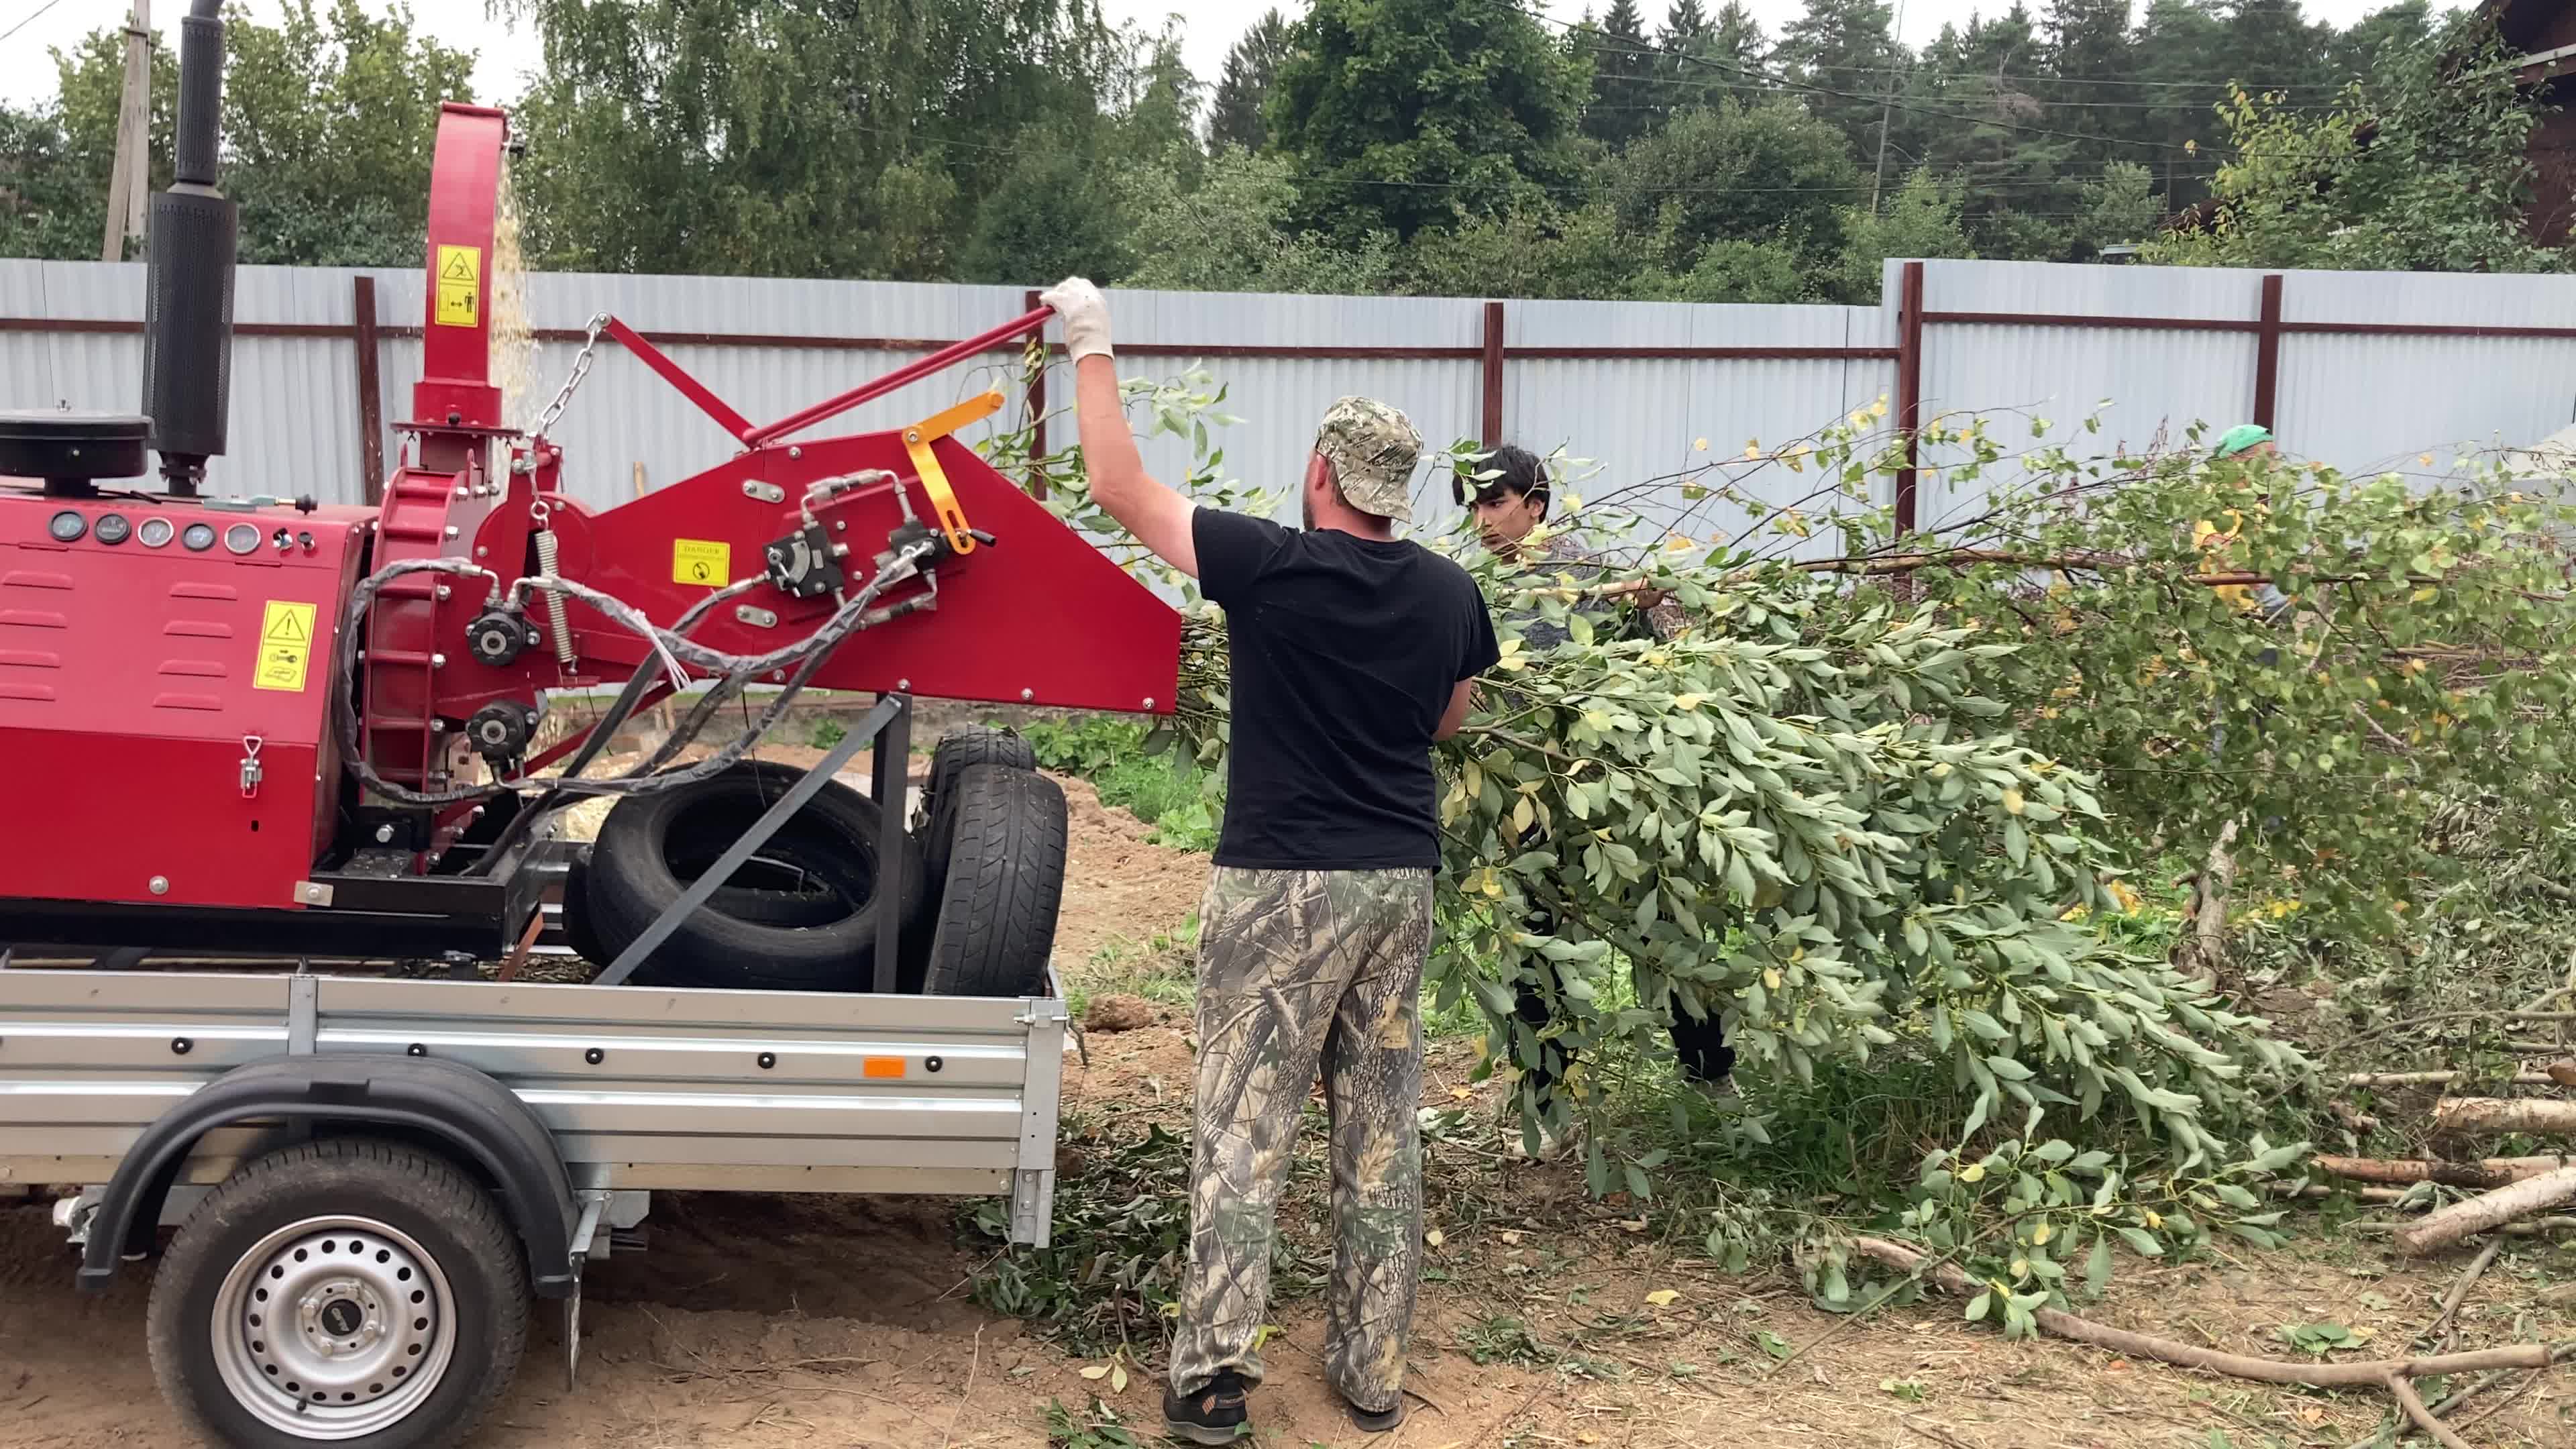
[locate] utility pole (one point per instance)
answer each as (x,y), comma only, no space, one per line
(129,179)
(1886,109)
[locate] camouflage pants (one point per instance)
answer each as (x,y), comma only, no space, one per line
(1297,969)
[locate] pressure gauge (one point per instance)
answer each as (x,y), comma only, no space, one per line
(242,538)
(155,533)
(198,538)
(113,528)
(67,527)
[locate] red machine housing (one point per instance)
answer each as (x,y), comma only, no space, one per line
(135,680)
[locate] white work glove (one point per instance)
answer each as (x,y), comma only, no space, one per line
(1085,314)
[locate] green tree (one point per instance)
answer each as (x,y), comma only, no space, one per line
(58,156)
(1766,173)
(1625,100)
(1051,214)
(1734,270)
(1921,219)
(1251,66)
(2408,23)
(1536,250)
(331,121)
(757,136)
(1401,115)
(1843,52)
(1735,37)
(1997,134)
(1235,231)
(2089,53)
(2423,166)
(2120,207)
(44,212)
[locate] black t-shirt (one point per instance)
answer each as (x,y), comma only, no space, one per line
(1346,651)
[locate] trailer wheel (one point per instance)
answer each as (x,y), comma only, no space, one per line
(995,926)
(346,1291)
(651,847)
(958,752)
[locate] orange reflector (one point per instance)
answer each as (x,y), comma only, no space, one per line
(881,1066)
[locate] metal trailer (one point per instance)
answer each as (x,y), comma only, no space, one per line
(393,1164)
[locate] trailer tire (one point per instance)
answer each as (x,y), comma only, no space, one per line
(995,927)
(958,752)
(823,939)
(410,1261)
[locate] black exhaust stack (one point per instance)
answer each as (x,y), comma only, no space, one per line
(188,307)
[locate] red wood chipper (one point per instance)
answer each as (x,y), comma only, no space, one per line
(265,726)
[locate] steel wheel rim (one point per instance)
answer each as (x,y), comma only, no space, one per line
(333,1328)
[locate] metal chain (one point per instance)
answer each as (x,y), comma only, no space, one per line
(572,381)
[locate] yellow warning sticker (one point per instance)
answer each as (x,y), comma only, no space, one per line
(460,283)
(701,561)
(285,646)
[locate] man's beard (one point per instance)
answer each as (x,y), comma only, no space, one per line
(1306,509)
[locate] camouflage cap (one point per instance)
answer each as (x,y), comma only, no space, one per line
(1373,449)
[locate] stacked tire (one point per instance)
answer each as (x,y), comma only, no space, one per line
(982,878)
(801,915)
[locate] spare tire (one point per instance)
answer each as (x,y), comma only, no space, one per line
(995,925)
(958,752)
(820,936)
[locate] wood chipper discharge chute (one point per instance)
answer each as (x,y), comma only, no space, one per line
(265,726)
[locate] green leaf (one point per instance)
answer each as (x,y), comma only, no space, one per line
(2097,1267)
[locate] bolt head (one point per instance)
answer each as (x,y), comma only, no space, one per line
(902,684)
(160,885)
(384,835)
(1149,701)
(1027,695)
(438,661)
(451,530)
(795,452)
(445,592)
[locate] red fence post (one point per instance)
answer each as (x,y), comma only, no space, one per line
(1037,407)
(1909,388)
(2267,351)
(371,402)
(1492,432)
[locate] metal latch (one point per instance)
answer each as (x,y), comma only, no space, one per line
(251,773)
(934,478)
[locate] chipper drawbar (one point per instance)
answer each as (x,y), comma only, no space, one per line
(282,731)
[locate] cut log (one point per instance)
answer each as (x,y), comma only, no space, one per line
(2488,1211)
(2486,1173)
(2490,1116)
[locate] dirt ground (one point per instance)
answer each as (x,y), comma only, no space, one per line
(757,1321)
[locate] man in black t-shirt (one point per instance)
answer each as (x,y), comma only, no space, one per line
(1352,652)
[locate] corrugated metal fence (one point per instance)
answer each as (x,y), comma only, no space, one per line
(2368,371)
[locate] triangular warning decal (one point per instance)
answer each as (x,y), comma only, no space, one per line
(460,265)
(286,626)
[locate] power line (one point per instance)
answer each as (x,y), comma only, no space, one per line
(31,19)
(1785,83)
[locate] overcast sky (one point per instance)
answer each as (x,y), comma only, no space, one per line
(505,53)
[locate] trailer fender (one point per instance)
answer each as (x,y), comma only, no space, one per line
(479,1120)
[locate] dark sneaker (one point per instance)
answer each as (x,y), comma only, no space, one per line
(1376,1423)
(1213,1415)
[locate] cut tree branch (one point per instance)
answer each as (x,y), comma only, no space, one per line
(2359,1374)
(2489,1210)
(2488,1172)
(2490,1116)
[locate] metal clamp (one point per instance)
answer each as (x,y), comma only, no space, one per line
(934,478)
(251,771)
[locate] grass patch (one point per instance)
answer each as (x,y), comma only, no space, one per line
(1167,790)
(1163,969)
